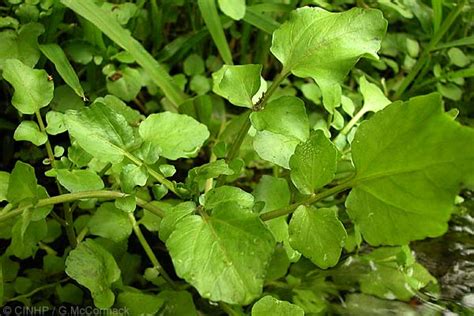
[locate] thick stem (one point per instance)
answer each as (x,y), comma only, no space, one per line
(149,252)
(426,52)
(70,197)
(312,199)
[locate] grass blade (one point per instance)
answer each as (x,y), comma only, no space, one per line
(110,27)
(56,55)
(213,22)
(437,6)
(260,21)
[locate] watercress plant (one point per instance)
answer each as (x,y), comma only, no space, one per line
(247,184)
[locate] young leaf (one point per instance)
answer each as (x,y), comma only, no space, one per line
(56,55)
(198,175)
(110,222)
(411,161)
(25,237)
(178,135)
(22,183)
(55,121)
(127,86)
(101,132)
(233,8)
(318,235)
(225,194)
(238,84)
(95,268)
(314,163)
(269,305)
(224,256)
(173,216)
(79,180)
(374,99)
(325,46)
(33,90)
(29,131)
(21,45)
(282,124)
(132,176)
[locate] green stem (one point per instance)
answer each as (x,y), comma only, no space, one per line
(353,121)
(149,252)
(426,52)
(312,199)
(234,149)
(39,289)
(49,149)
(70,197)
(68,219)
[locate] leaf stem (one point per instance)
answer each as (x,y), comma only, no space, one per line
(70,197)
(311,200)
(49,149)
(159,177)
(38,289)
(149,252)
(353,121)
(234,149)
(426,52)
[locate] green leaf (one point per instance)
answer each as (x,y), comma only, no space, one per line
(101,132)
(110,222)
(26,235)
(177,303)
(33,90)
(238,84)
(4,179)
(193,65)
(275,193)
(22,183)
(127,86)
(392,273)
(458,58)
(282,124)
(95,268)
(325,46)
(79,180)
(138,303)
(224,256)
(57,56)
(269,305)
(314,163)
(285,115)
(198,175)
(127,204)
(276,148)
(173,216)
(132,116)
(233,8)
(374,99)
(29,131)
(411,161)
(22,45)
(362,304)
(318,235)
(55,121)
(178,135)
(225,194)
(132,176)
(108,24)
